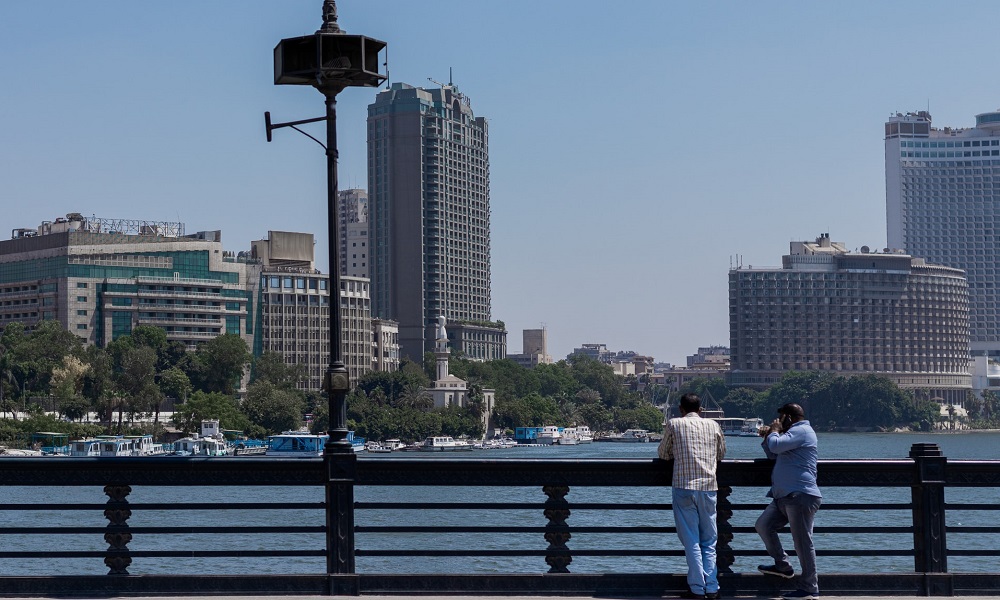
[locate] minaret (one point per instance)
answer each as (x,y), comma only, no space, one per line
(441,348)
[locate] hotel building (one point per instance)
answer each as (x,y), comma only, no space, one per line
(850,313)
(943,204)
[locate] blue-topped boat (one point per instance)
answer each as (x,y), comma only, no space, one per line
(303,443)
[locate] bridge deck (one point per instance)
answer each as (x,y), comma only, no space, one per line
(515,597)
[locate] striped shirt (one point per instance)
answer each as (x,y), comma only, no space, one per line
(696,446)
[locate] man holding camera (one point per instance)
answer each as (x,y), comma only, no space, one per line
(791,442)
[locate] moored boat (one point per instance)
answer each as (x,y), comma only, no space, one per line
(751,426)
(629,436)
(296,444)
(443,443)
(730,425)
(579,434)
(377,448)
(549,435)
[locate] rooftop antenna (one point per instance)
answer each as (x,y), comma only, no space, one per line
(451,82)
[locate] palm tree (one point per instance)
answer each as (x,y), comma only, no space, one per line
(415,396)
(6,376)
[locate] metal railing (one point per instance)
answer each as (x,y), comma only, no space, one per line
(916,486)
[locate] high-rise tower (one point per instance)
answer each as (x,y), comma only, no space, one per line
(429,218)
(943,204)
(353,215)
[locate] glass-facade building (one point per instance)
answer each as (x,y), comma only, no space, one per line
(100,285)
(429,216)
(851,313)
(943,204)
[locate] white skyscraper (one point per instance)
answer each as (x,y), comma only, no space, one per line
(943,204)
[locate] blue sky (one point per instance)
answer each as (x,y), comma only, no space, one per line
(636,147)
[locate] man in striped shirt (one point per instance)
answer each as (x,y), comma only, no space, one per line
(696,446)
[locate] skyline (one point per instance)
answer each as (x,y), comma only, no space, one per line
(633,154)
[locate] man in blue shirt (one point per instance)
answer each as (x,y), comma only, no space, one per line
(791,442)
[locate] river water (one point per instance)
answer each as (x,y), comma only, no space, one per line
(985,445)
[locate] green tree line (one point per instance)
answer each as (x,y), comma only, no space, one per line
(832,402)
(126,382)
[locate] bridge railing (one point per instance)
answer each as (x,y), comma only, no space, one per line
(555,530)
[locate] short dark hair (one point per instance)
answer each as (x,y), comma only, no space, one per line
(792,410)
(690,403)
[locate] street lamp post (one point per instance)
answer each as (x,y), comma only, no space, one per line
(331,60)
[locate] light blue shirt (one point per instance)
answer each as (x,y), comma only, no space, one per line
(795,453)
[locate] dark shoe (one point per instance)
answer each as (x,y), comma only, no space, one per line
(712,596)
(689,595)
(800,595)
(787,572)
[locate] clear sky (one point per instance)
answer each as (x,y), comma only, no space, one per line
(635,147)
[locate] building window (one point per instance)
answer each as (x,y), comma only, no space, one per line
(81,285)
(81,326)
(81,313)
(81,298)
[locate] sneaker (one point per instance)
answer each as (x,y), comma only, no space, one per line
(712,596)
(800,595)
(689,595)
(786,572)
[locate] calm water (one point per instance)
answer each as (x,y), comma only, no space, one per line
(870,445)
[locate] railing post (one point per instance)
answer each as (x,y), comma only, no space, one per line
(341,470)
(929,544)
(556,530)
(724,556)
(117,533)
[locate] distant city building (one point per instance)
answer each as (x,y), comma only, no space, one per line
(429,218)
(534,348)
(354,250)
(711,356)
(943,204)
(385,345)
(478,340)
(828,309)
(294,310)
(100,278)
(598,352)
(623,362)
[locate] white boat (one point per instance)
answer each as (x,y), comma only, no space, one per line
(210,442)
(549,435)
(377,448)
(629,436)
(751,426)
(579,434)
(443,443)
(85,447)
(115,446)
(200,446)
(730,425)
(394,444)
